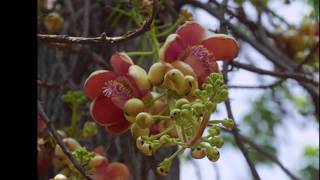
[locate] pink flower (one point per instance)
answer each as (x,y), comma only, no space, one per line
(189,48)
(109,90)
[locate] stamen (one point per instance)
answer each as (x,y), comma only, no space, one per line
(114,88)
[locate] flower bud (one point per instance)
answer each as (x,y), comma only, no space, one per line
(177,78)
(214,130)
(165,140)
(60,177)
(96,161)
(156,73)
(185,68)
(136,131)
(198,152)
(147,149)
(144,120)
(89,129)
(192,84)
(53,22)
(175,113)
(71,143)
(199,108)
(132,107)
(181,102)
(164,167)
(217,141)
(213,154)
(140,77)
(228,123)
(140,142)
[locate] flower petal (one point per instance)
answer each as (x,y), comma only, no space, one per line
(200,59)
(120,63)
(100,172)
(104,111)
(119,90)
(122,126)
(222,46)
(94,83)
(191,32)
(117,170)
(172,48)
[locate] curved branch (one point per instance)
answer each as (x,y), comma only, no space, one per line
(103,38)
(57,138)
(295,76)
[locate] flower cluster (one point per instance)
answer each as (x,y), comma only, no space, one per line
(187,87)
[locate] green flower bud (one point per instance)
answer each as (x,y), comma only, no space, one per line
(186,106)
(199,108)
(197,92)
(217,83)
(186,113)
(214,130)
(165,139)
(228,123)
(181,102)
(175,113)
(164,167)
(89,129)
(210,106)
(136,131)
(144,120)
(198,152)
(155,145)
(140,142)
(147,149)
(217,141)
(213,154)
(222,96)
(132,107)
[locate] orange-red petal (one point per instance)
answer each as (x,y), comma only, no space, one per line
(93,84)
(172,48)
(222,46)
(191,32)
(120,63)
(200,59)
(100,172)
(104,111)
(117,171)
(119,128)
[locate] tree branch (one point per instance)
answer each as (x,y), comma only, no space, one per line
(299,77)
(57,138)
(268,155)
(103,38)
(227,102)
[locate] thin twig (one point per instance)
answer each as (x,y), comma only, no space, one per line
(227,102)
(257,87)
(268,155)
(57,138)
(51,85)
(235,131)
(299,77)
(265,153)
(103,38)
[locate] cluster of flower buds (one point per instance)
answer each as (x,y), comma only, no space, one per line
(94,162)
(191,87)
(186,115)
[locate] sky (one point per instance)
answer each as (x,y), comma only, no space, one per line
(291,135)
